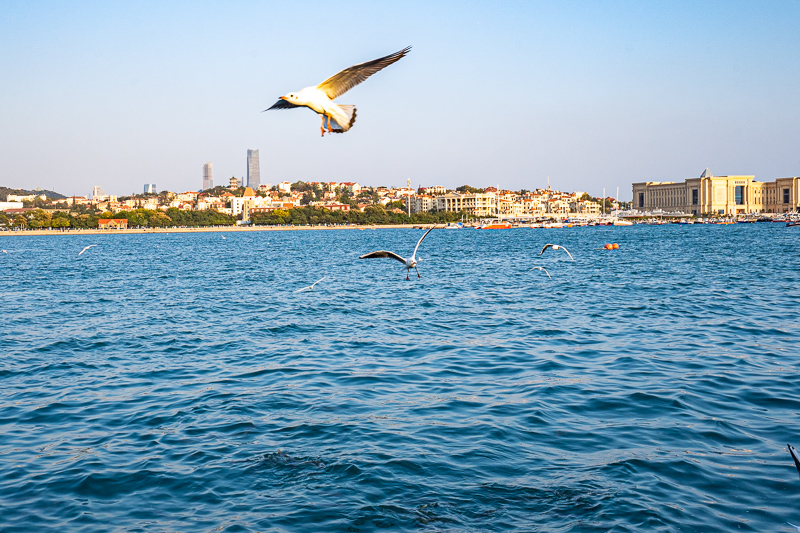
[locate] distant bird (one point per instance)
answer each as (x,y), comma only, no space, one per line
(310,287)
(556,247)
(340,118)
(81,252)
(543,270)
(223,236)
(3,251)
(796,458)
(409,263)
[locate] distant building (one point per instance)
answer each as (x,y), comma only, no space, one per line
(97,192)
(285,186)
(422,203)
(719,195)
(10,205)
(112,223)
(150,188)
(233,183)
(253,169)
(208,176)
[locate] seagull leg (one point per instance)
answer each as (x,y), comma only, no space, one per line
(407,278)
(415,268)
(329,124)
(322,126)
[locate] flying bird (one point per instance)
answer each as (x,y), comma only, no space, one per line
(79,253)
(556,247)
(340,117)
(310,287)
(796,458)
(543,270)
(409,263)
(3,251)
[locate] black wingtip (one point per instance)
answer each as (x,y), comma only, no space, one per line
(795,457)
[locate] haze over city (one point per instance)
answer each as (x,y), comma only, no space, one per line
(591,95)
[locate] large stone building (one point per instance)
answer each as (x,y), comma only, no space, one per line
(719,195)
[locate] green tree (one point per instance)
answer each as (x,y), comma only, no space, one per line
(20,222)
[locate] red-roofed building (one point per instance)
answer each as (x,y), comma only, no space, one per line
(112,223)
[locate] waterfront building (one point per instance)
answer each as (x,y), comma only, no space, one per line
(422,203)
(253,169)
(150,188)
(478,204)
(208,176)
(112,223)
(719,195)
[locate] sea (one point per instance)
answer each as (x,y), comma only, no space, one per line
(186,381)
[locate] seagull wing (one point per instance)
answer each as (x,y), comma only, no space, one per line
(340,83)
(420,241)
(317,281)
(383,253)
(282,104)
(546,246)
(795,457)
(569,254)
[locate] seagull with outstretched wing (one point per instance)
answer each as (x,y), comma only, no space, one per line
(339,117)
(556,247)
(409,263)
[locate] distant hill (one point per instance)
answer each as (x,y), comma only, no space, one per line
(5,191)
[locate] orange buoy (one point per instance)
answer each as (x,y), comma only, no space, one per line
(607,247)
(615,246)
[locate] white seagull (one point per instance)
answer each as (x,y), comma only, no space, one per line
(409,263)
(3,251)
(79,253)
(310,287)
(543,270)
(556,247)
(320,98)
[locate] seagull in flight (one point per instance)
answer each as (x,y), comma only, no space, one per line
(556,247)
(409,263)
(340,117)
(79,253)
(310,287)
(543,270)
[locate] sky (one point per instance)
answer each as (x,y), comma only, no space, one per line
(588,95)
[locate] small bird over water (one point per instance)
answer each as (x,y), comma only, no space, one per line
(81,252)
(556,247)
(310,287)
(340,117)
(409,263)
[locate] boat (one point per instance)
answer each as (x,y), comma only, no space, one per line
(792,224)
(495,224)
(622,223)
(454,226)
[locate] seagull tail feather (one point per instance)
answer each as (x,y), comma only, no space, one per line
(345,121)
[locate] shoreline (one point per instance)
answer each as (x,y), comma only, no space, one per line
(211,229)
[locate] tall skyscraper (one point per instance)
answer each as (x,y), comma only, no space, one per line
(253,169)
(150,188)
(208,176)
(98,192)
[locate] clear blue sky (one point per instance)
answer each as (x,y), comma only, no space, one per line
(591,94)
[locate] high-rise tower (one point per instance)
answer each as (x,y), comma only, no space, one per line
(253,169)
(208,176)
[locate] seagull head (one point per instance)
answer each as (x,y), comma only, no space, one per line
(291,98)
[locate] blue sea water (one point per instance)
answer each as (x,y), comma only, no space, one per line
(177,382)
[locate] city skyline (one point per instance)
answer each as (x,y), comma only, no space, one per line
(590,95)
